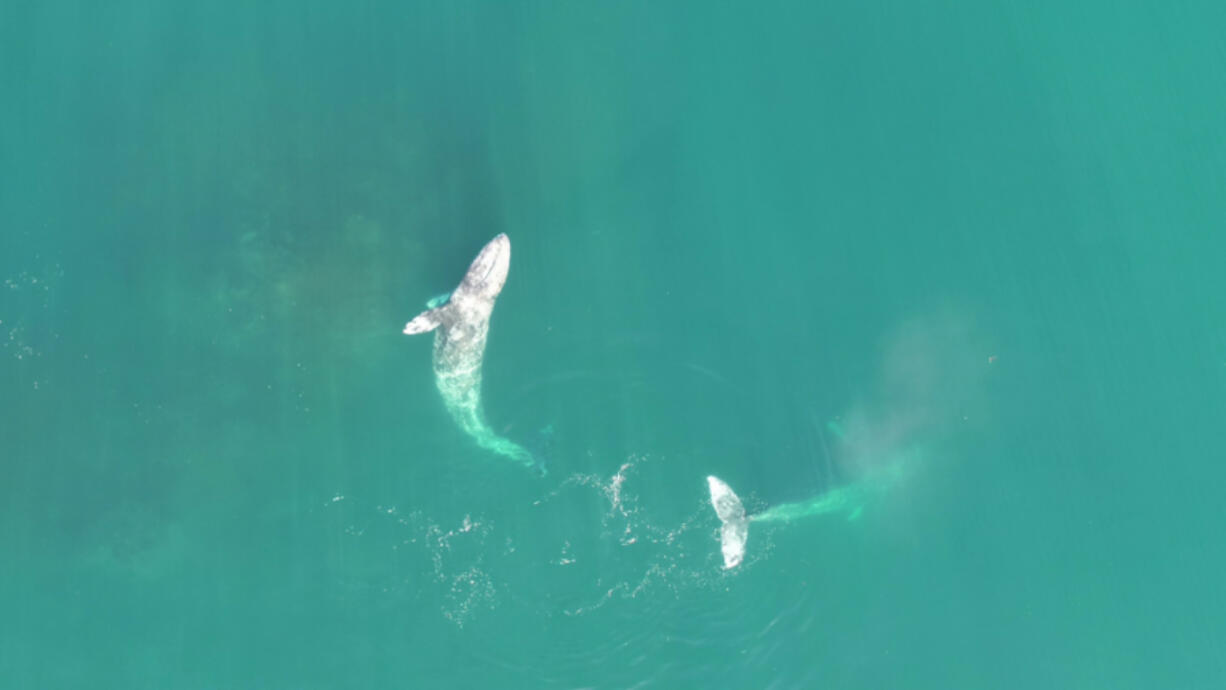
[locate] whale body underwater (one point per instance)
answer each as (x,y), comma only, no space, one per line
(461,325)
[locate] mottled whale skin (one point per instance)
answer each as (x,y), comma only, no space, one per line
(734,525)
(461,326)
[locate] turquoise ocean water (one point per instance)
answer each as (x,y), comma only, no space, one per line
(936,286)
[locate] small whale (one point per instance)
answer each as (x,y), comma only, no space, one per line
(461,323)
(734,525)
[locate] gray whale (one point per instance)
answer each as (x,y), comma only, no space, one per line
(461,326)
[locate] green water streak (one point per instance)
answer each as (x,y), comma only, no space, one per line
(849,499)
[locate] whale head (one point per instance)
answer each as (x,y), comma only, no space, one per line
(488,272)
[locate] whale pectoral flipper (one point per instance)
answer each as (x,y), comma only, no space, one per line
(438,300)
(426,321)
(734,529)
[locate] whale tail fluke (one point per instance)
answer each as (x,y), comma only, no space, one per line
(734,529)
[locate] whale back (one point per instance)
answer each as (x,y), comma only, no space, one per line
(734,525)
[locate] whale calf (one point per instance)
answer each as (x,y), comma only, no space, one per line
(461,324)
(734,525)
